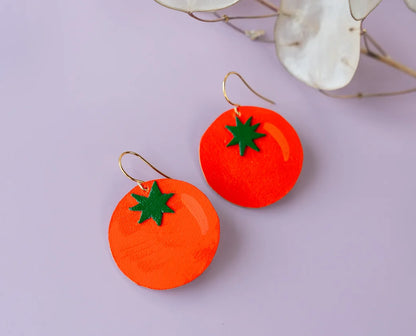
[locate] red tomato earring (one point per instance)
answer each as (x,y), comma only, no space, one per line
(164,233)
(249,155)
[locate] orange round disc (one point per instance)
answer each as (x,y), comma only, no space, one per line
(252,160)
(165,236)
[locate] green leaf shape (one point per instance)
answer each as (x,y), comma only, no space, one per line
(244,135)
(153,206)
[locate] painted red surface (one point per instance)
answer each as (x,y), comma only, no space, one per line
(256,179)
(170,255)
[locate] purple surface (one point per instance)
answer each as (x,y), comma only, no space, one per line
(82,81)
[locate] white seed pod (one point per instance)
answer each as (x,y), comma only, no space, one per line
(361,8)
(411,4)
(318,42)
(197,5)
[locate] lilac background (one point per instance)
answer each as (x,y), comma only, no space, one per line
(83,80)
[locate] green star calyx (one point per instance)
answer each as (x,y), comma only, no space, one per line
(153,206)
(244,135)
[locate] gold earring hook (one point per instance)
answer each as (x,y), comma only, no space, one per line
(236,106)
(139,182)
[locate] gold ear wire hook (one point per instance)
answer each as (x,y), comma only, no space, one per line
(236,106)
(139,182)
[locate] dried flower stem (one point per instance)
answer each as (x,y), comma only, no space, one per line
(269,5)
(242,31)
(368,39)
(227,18)
(389,61)
(367,95)
(382,57)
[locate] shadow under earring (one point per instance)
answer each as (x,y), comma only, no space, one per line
(164,233)
(250,155)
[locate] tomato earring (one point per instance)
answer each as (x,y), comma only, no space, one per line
(249,155)
(164,233)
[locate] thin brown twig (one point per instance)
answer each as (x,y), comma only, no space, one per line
(368,38)
(367,44)
(269,5)
(389,61)
(227,18)
(242,31)
(367,95)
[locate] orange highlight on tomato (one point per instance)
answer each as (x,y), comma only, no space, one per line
(176,251)
(254,175)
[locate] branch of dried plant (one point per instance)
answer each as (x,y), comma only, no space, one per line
(366,95)
(269,5)
(367,38)
(390,62)
(242,31)
(227,18)
(382,57)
